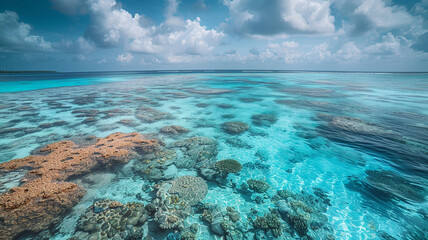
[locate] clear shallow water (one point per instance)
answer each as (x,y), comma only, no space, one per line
(361,138)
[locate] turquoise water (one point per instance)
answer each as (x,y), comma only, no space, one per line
(357,143)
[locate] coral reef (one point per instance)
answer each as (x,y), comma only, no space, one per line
(270,221)
(228,166)
(150,115)
(44,197)
(195,151)
(173,130)
(175,198)
(235,127)
(258,186)
(157,165)
(305,213)
(107,219)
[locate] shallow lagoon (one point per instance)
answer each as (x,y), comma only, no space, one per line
(344,154)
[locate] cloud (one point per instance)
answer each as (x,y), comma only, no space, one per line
(112,26)
(277,18)
(81,45)
(365,15)
(16,36)
(125,58)
(421,43)
(69,7)
(389,45)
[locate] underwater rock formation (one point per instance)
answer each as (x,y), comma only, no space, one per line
(173,130)
(264,119)
(235,127)
(257,186)
(175,198)
(196,151)
(44,197)
(305,214)
(107,219)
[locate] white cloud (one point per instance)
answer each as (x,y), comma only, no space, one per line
(279,17)
(389,45)
(348,52)
(16,35)
(171,40)
(383,16)
(112,24)
(125,58)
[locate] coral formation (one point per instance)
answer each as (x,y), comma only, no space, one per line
(44,197)
(175,198)
(228,166)
(107,219)
(235,127)
(196,151)
(173,130)
(258,186)
(264,119)
(270,221)
(157,165)
(305,213)
(150,115)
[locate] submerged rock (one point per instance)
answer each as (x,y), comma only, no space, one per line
(234,127)
(45,197)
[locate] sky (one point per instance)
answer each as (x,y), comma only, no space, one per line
(113,35)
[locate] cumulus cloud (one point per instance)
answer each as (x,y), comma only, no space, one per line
(16,35)
(125,58)
(69,7)
(390,45)
(267,18)
(110,24)
(81,45)
(366,15)
(113,26)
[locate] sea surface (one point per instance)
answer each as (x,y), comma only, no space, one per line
(322,155)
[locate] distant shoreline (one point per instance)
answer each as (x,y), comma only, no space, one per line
(207,71)
(29,71)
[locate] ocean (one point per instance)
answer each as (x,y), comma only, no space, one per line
(270,155)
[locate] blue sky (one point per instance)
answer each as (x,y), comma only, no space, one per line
(98,35)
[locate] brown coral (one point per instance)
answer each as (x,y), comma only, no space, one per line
(44,197)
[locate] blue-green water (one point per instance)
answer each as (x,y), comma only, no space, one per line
(357,143)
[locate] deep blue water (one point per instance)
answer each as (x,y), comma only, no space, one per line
(358,142)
